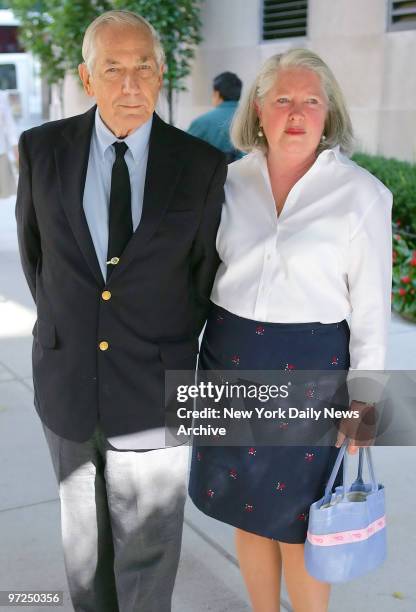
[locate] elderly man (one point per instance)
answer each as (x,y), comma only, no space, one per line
(117,216)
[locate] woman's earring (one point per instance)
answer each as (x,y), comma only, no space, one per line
(323,138)
(260,132)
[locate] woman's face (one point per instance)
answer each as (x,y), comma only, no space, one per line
(293,113)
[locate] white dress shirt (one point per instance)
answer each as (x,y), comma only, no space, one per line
(96,199)
(326,257)
(8,136)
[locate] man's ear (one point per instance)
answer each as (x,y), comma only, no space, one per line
(216,98)
(85,77)
(162,71)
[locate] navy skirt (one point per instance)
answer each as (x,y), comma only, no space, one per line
(266,490)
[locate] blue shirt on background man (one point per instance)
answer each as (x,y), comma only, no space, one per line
(214,126)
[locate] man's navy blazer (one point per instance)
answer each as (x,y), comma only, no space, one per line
(159,290)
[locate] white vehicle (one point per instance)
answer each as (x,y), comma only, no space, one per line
(19,72)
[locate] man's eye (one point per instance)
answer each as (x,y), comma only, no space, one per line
(111,70)
(282,100)
(312,101)
(145,67)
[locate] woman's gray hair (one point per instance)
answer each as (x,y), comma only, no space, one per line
(121,18)
(338,127)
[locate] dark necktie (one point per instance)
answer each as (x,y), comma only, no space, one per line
(120,226)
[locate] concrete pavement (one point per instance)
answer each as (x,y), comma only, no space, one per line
(208,579)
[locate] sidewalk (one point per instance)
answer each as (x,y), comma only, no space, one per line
(208,579)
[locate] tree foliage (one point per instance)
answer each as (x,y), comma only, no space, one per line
(179,25)
(53,31)
(400,178)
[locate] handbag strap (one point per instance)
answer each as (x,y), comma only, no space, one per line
(343,455)
(374,483)
(328,489)
(359,478)
(360,465)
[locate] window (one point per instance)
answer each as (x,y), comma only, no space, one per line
(402,15)
(8,40)
(284,18)
(8,76)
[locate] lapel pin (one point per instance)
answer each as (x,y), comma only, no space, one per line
(114,261)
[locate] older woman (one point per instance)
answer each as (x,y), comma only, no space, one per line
(305,242)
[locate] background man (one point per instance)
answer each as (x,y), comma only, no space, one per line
(214,126)
(117,216)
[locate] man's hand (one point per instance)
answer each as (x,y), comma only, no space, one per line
(360,431)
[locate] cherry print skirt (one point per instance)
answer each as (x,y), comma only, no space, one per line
(266,490)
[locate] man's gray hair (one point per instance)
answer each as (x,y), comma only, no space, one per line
(121,18)
(338,127)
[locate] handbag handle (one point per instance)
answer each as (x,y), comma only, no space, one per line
(359,478)
(343,455)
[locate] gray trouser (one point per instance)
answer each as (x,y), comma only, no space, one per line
(121,516)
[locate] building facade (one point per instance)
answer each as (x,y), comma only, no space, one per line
(369,44)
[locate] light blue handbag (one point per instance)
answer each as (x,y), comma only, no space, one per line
(347,528)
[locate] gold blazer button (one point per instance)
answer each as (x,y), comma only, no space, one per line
(106,295)
(103,345)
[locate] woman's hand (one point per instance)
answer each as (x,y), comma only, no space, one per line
(360,431)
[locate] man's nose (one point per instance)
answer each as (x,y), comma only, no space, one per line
(131,83)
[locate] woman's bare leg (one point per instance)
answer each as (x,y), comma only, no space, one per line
(261,566)
(306,593)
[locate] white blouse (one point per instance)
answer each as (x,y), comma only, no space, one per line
(326,257)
